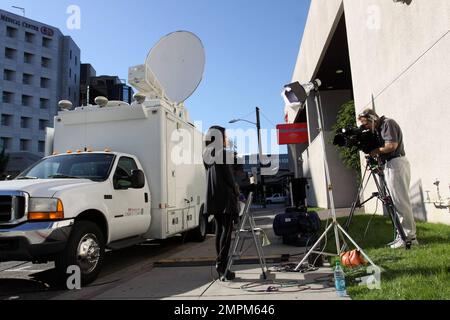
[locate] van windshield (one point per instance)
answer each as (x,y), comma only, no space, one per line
(94,166)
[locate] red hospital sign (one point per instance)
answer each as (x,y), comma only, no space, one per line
(295,133)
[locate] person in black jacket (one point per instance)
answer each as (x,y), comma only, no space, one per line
(221,195)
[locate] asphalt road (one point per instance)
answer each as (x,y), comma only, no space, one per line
(27,281)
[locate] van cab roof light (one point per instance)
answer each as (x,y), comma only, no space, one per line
(69,151)
(107,150)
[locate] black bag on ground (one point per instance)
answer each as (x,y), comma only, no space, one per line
(297,226)
(286,223)
(296,221)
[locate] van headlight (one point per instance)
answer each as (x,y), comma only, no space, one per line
(45,209)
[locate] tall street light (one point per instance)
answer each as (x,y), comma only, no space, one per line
(258,128)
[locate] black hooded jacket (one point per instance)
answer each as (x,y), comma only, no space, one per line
(221,194)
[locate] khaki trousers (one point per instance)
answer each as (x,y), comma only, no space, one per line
(398,176)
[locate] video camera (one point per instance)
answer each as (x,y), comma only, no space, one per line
(360,138)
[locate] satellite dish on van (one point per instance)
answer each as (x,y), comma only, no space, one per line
(173,69)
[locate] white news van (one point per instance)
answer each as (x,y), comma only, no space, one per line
(118,176)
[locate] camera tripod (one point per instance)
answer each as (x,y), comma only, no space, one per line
(376,171)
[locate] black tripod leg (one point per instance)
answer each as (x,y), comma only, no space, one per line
(356,203)
(396,222)
(352,212)
(389,205)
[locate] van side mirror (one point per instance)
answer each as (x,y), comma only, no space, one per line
(137,179)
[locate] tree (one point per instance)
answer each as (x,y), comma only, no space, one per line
(347,118)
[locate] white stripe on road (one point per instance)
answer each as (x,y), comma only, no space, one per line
(22,269)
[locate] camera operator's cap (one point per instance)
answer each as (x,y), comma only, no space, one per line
(369,114)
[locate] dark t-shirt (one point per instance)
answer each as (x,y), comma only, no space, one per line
(390,131)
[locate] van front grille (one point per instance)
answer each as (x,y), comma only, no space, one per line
(6,214)
(12,208)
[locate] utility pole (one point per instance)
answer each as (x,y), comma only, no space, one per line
(258,127)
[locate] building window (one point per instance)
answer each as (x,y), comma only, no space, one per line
(29,37)
(75,75)
(10,53)
(9,75)
(11,32)
(41,146)
(8,97)
(27,79)
(70,54)
(25,144)
(46,42)
(69,93)
(25,123)
(27,101)
(44,103)
(6,120)
(45,62)
(28,57)
(45,83)
(6,143)
(70,73)
(43,124)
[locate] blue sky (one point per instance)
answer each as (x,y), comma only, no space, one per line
(251,46)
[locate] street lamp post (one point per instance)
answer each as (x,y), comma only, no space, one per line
(258,128)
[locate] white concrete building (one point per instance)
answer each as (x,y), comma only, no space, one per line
(391,55)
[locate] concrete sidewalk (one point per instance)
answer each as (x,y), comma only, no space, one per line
(195,278)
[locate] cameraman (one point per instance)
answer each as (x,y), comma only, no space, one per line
(397,169)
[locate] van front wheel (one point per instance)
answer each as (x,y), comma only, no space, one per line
(85,249)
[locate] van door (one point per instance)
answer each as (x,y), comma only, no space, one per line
(130,207)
